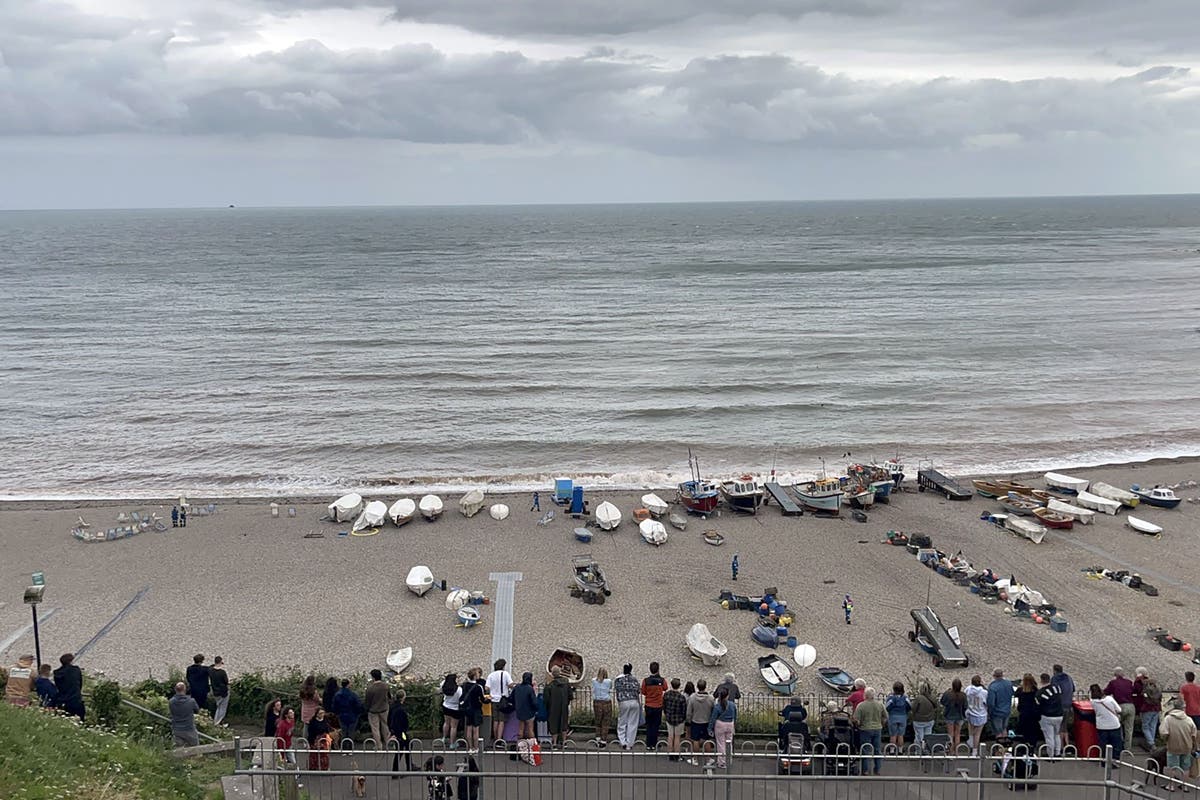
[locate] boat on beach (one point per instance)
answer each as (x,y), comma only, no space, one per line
(986,488)
(698,496)
(655,505)
(402,511)
(419,580)
(894,467)
(399,660)
(823,495)
(743,494)
(346,508)
(468,616)
(1097,503)
(1015,486)
(1054,519)
(706,647)
(653,532)
(1017,504)
(371,517)
(1065,483)
(471,503)
(836,679)
(1113,493)
(1143,526)
(431,507)
(777,674)
(569,661)
(1159,496)
(877,479)
(714,538)
(678,522)
(608,516)
(858,496)
(1083,516)
(1032,531)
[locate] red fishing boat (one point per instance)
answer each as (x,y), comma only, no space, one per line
(698,496)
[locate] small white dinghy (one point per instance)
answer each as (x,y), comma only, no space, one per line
(608,516)
(498,511)
(346,507)
(1098,503)
(398,660)
(805,656)
(653,532)
(471,503)
(419,580)
(371,517)
(706,647)
(402,511)
(1143,526)
(1065,483)
(678,522)
(1023,527)
(1113,493)
(468,617)
(431,507)
(655,505)
(1081,515)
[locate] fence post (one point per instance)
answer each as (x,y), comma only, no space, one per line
(728,768)
(980,786)
(237,752)
(1108,771)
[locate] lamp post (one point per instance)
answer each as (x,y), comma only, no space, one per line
(33,596)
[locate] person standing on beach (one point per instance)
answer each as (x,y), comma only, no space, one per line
(977,711)
(1121,689)
(174,516)
(1190,692)
(848,607)
(68,679)
(628,690)
(674,711)
(999,703)
(183,710)
(347,707)
(376,697)
(602,705)
(733,566)
(183,516)
(218,678)
(1066,686)
(652,689)
(699,710)
(537,503)
(499,683)
(558,707)
(19,689)
(198,680)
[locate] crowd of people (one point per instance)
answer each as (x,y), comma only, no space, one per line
(60,688)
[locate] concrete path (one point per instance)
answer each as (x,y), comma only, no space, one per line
(502,627)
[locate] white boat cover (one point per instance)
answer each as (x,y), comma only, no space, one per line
(346,507)
(1081,515)
(805,655)
(655,505)
(678,521)
(1019,591)
(653,531)
(1030,530)
(457,599)
(608,516)
(705,646)
(1113,493)
(402,511)
(471,502)
(419,580)
(431,506)
(398,660)
(1060,481)
(1098,503)
(1143,526)
(777,672)
(371,517)
(499,511)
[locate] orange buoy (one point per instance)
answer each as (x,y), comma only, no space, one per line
(1187,647)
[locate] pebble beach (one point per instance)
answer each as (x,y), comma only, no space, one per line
(265,593)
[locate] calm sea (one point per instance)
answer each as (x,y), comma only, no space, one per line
(311,350)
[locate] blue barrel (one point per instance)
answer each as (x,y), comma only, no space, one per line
(782,607)
(791,641)
(781,630)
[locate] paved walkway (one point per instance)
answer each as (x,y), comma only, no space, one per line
(502,627)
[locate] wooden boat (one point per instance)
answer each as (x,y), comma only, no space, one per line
(777,674)
(698,496)
(823,495)
(1065,483)
(1083,516)
(608,516)
(653,532)
(1053,519)
(583,534)
(706,647)
(1097,503)
(655,505)
(1159,496)
(714,538)
(1014,486)
(498,512)
(419,580)
(590,583)
(346,508)
(1017,504)
(468,616)
(836,679)
(989,488)
(1041,495)
(1032,531)
(743,494)
(399,660)
(431,507)
(402,511)
(569,661)
(765,635)
(1110,492)
(678,522)
(805,655)
(371,517)
(1143,526)
(471,503)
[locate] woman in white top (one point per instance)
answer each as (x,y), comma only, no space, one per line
(977,713)
(1108,721)
(451,714)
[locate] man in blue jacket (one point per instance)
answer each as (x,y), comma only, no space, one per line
(999,703)
(348,708)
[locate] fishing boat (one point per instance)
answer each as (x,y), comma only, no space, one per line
(877,479)
(431,507)
(777,674)
(371,517)
(765,635)
(882,490)
(583,534)
(1017,504)
(743,494)
(590,583)
(498,512)
(655,505)
(608,516)
(805,655)
(989,488)
(468,617)
(706,647)
(1159,496)
(471,503)
(1110,492)
(698,496)
(714,538)
(836,679)
(678,522)
(346,508)
(857,496)
(399,660)
(569,661)
(823,495)
(653,532)
(419,580)
(1065,483)
(1054,519)
(1097,503)
(1143,526)
(1032,531)
(894,467)
(402,511)
(1083,516)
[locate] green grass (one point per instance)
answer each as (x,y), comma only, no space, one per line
(49,757)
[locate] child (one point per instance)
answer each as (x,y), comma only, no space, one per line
(848,607)
(734,566)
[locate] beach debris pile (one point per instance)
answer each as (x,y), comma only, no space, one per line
(128,525)
(1168,642)
(774,619)
(1125,577)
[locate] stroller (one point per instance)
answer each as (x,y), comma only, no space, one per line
(837,735)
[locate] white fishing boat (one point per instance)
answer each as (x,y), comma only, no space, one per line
(399,660)
(1065,483)
(1143,526)
(653,532)
(371,517)
(1113,493)
(1098,503)
(1027,528)
(346,508)
(1081,515)
(608,516)
(655,505)
(471,503)
(858,497)
(419,580)
(706,647)
(1160,496)
(431,507)
(498,512)
(402,511)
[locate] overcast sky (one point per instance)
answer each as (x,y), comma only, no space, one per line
(330,102)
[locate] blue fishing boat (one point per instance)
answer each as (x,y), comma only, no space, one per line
(1159,496)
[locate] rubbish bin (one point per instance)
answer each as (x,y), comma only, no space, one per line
(1083,731)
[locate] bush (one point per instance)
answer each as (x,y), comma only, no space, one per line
(106,702)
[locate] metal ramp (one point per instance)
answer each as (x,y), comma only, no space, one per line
(786,504)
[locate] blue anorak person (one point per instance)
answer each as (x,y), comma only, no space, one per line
(734,566)
(848,607)
(174,516)
(537,503)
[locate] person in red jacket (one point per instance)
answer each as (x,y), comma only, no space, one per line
(284,729)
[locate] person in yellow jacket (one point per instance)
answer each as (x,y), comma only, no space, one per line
(20,682)
(1182,741)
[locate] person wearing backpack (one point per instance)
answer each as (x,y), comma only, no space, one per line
(898,708)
